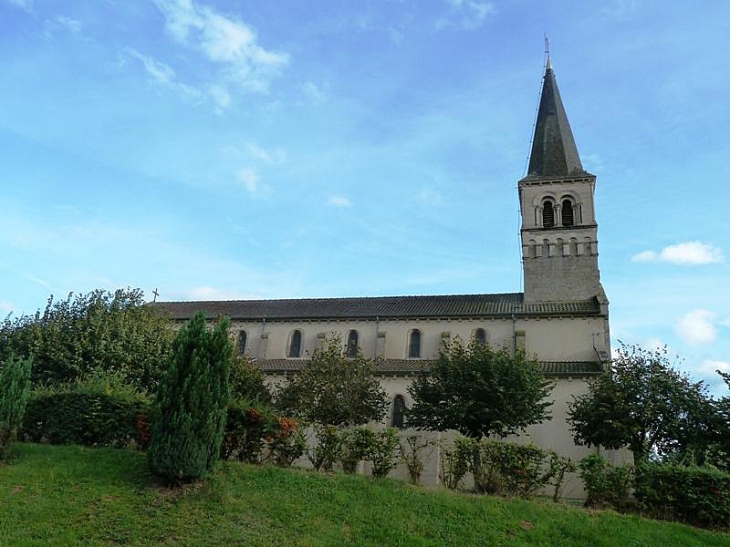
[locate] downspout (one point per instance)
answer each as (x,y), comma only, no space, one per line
(377,331)
(263,330)
(514,333)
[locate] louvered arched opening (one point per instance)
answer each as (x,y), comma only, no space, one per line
(568,217)
(548,214)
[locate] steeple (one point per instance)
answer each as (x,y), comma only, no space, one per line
(559,230)
(554,153)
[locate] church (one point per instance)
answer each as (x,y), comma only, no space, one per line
(561,318)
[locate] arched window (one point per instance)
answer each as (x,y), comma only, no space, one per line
(241,342)
(295,344)
(548,214)
(573,246)
(480,335)
(352,343)
(545,248)
(399,408)
(414,344)
(567,213)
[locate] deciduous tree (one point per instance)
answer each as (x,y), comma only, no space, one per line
(641,403)
(335,389)
(479,391)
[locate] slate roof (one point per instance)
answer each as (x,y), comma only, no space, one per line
(383,307)
(554,153)
(406,367)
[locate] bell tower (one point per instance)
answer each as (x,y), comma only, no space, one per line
(559,229)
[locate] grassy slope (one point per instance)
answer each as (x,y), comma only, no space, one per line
(74,495)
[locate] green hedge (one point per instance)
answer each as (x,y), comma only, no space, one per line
(92,419)
(695,495)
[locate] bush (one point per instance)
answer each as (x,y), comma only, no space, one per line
(287,444)
(189,413)
(99,331)
(14,391)
(247,382)
(67,416)
(453,465)
(247,427)
(411,454)
(511,469)
(327,448)
(384,452)
(695,495)
(606,485)
(356,445)
(254,433)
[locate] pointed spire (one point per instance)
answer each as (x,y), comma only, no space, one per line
(554,153)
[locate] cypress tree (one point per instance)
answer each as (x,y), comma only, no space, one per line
(189,413)
(14,392)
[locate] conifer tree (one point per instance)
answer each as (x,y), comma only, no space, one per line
(14,392)
(189,413)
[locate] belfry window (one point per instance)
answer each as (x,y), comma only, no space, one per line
(352,343)
(548,214)
(480,335)
(399,408)
(414,344)
(567,213)
(295,344)
(242,342)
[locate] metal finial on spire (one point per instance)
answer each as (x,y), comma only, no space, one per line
(548,62)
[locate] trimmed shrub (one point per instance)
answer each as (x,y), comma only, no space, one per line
(606,485)
(188,416)
(510,469)
(92,419)
(14,391)
(695,495)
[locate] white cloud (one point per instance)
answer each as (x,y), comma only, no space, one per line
(467,14)
(211,293)
(691,253)
(220,96)
(27,5)
(72,25)
(696,327)
(338,201)
(164,75)
(5,308)
(653,344)
(276,156)
(225,41)
(710,366)
(313,92)
(430,197)
(250,179)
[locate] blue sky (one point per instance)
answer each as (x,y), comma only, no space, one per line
(252,149)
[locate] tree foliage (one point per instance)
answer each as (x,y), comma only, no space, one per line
(247,382)
(97,332)
(479,391)
(188,417)
(335,389)
(644,404)
(14,392)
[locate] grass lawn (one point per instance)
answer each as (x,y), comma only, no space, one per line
(70,495)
